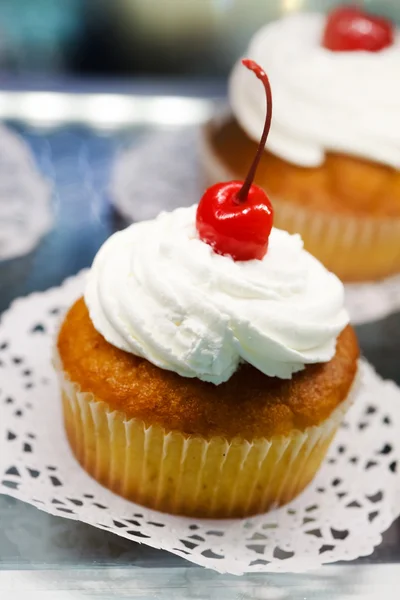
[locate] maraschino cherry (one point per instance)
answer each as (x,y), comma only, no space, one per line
(235,217)
(349,28)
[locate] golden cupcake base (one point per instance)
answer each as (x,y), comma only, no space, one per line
(191,475)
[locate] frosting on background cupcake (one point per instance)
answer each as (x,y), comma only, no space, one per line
(345,102)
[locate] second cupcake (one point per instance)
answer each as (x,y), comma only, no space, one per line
(332,161)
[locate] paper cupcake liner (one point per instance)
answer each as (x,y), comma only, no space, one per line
(355,248)
(190,475)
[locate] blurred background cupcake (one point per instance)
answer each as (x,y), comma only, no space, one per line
(332,161)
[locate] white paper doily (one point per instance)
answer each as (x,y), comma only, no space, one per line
(341,516)
(164,173)
(25,211)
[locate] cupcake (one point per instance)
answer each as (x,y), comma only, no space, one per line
(332,161)
(210,362)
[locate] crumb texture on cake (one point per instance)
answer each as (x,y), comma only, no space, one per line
(250,405)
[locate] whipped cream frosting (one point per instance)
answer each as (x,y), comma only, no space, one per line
(345,102)
(156,290)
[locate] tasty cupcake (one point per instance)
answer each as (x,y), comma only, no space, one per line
(210,362)
(332,161)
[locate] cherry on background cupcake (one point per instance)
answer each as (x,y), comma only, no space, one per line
(350,28)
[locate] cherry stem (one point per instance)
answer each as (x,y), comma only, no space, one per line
(242,194)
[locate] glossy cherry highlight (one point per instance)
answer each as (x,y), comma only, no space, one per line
(235,217)
(350,28)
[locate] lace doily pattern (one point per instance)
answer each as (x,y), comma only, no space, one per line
(25,198)
(341,515)
(137,195)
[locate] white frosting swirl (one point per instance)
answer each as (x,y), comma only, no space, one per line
(156,290)
(323,101)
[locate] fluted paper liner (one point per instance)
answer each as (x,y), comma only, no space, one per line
(188,474)
(359,248)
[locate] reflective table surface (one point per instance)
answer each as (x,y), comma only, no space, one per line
(50,557)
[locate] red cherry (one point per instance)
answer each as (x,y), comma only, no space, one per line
(239,229)
(235,217)
(349,28)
